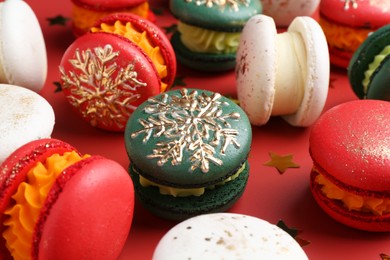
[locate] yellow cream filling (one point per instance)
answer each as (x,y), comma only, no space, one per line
(84,18)
(29,200)
(202,40)
(343,37)
(176,192)
(373,65)
(351,201)
(141,39)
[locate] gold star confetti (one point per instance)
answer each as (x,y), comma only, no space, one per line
(385,257)
(281,162)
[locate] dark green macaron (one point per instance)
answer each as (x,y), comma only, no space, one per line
(188,140)
(208,31)
(369,68)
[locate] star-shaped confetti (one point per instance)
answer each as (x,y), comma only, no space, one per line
(385,257)
(293,232)
(57,20)
(281,162)
(58,86)
(179,81)
(170,29)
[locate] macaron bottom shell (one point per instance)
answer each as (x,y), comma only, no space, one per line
(206,62)
(336,210)
(219,199)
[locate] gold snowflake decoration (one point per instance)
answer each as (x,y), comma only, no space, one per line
(190,123)
(233,4)
(382,4)
(349,3)
(99,88)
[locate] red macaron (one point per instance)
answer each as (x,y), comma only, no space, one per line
(347,23)
(58,204)
(350,179)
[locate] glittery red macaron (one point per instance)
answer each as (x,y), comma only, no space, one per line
(149,37)
(58,204)
(105,77)
(347,23)
(86,12)
(350,179)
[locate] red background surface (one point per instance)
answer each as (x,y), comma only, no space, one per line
(269,195)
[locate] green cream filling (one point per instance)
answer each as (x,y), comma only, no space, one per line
(202,40)
(373,66)
(177,192)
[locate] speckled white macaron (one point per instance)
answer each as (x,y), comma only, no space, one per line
(285,74)
(227,236)
(23,58)
(24,116)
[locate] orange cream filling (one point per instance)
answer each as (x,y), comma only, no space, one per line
(142,40)
(352,201)
(29,200)
(84,18)
(343,37)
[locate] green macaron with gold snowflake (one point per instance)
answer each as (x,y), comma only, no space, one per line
(188,152)
(369,68)
(208,31)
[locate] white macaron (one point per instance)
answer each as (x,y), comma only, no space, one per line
(282,74)
(227,236)
(23,58)
(25,116)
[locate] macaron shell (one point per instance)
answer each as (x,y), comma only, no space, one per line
(155,34)
(23,55)
(219,118)
(14,170)
(106,5)
(107,104)
(215,16)
(318,72)
(88,212)
(351,143)
(256,68)
(227,236)
(364,55)
(354,219)
(379,88)
(25,116)
(367,14)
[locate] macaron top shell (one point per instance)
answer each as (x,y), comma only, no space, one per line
(23,58)
(366,14)
(351,143)
(105,77)
(227,236)
(188,138)
(24,116)
(227,16)
(107,5)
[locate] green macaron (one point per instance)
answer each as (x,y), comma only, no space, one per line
(188,150)
(208,31)
(369,68)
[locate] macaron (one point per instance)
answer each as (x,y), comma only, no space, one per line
(188,151)
(282,74)
(23,58)
(25,116)
(105,76)
(368,70)
(227,236)
(284,12)
(347,24)
(350,179)
(208,32)
(58,204)
(85,13)
(148,37)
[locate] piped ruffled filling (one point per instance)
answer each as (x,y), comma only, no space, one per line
(202,40)
(376,206)
(141,39)
(84,18)
(28,201)
(373,66)
(343,37)
(177,192)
